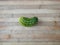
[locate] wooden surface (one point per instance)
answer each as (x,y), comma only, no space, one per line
(46,32)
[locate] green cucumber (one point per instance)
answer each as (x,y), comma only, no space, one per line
(28,22)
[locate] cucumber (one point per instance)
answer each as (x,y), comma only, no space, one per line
(28,22)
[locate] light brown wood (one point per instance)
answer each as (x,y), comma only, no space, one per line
(46,32)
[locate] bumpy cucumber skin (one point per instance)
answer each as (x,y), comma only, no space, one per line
(28,22)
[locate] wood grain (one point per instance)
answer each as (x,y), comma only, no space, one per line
(46,32)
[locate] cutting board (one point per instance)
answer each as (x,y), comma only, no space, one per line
(46,32)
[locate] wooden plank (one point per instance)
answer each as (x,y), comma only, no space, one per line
(29,0)
(43,23)
(31,43)
(13,7)
(26,4)
(31,31)
(27,11)
(25,28)
(7,15)
(21,3)
(30,37)
(51,27)
(30,3)
(16,19)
